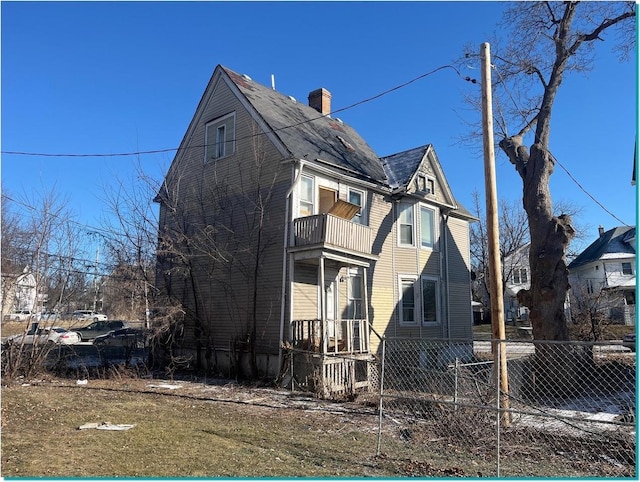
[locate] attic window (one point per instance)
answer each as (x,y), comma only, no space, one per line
(425,184)
(220,137)
(346,144)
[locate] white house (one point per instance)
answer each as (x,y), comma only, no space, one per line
(606,269)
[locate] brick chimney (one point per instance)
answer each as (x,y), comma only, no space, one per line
(320,100)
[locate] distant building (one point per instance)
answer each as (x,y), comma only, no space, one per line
(606,269)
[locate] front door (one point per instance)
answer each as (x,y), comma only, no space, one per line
(332,308)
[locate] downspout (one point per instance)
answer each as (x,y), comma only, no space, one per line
(284,260)
(445,218)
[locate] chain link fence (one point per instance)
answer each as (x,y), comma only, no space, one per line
(548,409)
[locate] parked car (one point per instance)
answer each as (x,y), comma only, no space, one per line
(98,328)
(48,316)
(126,337)
(88,315)
(38,335)
(629,341)
(20,315)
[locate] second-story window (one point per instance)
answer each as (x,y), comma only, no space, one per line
(307,196)
(427,227)
(357,197)
(626,268)
(405,224)
(219,138)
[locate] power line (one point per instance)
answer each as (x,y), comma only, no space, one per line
(519,110)
(177,149)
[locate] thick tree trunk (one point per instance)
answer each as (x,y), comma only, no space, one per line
(550,236)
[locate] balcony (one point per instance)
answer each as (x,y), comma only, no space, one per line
(329,232)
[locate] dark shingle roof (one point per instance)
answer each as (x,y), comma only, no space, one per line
(307,134)
(401,167)
(614,241)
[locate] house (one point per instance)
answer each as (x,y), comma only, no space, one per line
(604,273)
(19,292)
(516,277)
(294,248)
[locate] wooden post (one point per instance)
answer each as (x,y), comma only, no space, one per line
(495,271)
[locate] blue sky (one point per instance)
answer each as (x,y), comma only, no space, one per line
(113,77)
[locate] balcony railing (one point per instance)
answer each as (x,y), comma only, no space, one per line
(335,337)
(331,231)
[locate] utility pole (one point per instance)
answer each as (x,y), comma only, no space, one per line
(495,271)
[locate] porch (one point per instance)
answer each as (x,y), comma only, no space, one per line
(327,335)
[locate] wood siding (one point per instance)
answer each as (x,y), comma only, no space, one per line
(217,203)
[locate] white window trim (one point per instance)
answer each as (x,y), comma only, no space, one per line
(428,182)
(416,300)
(435,226)
(230,144)
(413,226)
(363,210)
(314,195)
(437,295)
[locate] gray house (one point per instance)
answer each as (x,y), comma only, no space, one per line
(293,247)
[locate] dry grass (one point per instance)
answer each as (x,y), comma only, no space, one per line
(227,430)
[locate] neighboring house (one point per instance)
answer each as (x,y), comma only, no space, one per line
(605,271)
(517,275)
(19,292)
(293,247)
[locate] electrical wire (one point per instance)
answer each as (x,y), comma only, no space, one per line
(177,149)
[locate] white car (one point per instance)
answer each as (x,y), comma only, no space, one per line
(88,315)
(39,336)
(20,315)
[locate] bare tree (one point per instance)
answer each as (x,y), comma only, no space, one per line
(214,238)
(546,41)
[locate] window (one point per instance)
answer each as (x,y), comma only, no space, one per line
(419,300)
(425,184)
(405,224)
(354,297)
(430,294)
(520,276)
(407,301)
(306,196)
(626,268)
(220,138)
(427,216)
(357,198)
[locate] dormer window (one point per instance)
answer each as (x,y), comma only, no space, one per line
(425,184)
(220,137)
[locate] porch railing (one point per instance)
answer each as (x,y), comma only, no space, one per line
(335,337)
(326,229)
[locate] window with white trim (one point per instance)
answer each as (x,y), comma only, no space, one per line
(354,297)
(430,300)
(408,300)
(307,196)
(627,268)
(357,197)
(405,224)
(425,184)
(427,227)
(219,137)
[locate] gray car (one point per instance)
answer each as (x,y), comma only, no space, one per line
(98,328)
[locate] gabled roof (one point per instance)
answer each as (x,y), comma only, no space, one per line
(307,134)
(301,132)
(614,243)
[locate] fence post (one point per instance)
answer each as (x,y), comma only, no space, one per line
(384,349)
(455,392)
